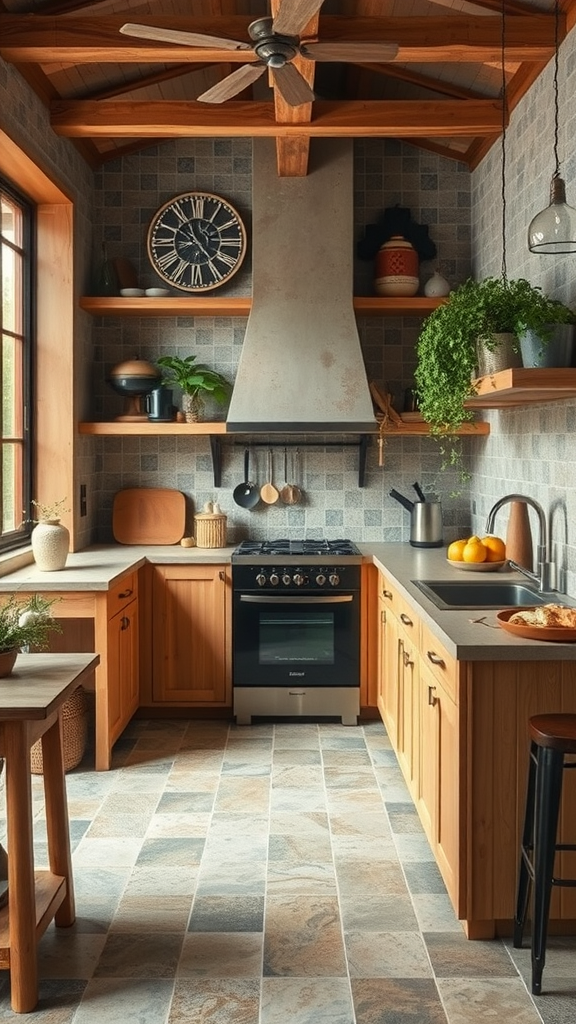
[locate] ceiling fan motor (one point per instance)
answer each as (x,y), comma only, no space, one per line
(275,50)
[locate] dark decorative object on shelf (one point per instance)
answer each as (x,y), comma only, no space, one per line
(396,220)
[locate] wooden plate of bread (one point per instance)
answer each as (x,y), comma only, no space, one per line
(543,622)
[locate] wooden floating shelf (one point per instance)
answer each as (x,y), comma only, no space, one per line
(147,429)
(419,428)
(191,305)
(522,386)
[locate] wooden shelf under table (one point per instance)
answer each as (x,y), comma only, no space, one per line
(50,891)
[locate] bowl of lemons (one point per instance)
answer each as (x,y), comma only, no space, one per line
(477,554)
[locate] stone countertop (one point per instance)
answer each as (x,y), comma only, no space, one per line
(467,634)
(99,567)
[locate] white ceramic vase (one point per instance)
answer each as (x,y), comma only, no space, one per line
(50,541)
(436,287)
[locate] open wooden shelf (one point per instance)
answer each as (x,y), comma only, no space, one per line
(419,428)
(522,386)
(192,305)
(145,428)
(50,890)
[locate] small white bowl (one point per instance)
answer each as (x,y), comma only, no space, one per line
(157,292)
(132,293)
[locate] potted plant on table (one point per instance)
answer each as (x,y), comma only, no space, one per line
(196,381)
(478,318)
(24,623)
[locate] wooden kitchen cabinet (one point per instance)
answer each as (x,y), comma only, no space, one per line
(191,612)
(123,669)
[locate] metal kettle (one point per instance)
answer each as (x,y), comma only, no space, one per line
(426,524)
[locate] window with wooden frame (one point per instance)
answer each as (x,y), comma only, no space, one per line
(16,330)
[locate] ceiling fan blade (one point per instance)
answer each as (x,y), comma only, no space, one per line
(294,15)
(358,53)
(294,88)
(171,35)
(233,84)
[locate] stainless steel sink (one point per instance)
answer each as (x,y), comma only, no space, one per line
(451,594)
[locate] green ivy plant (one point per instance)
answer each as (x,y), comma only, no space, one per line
(194,378)
(473,313)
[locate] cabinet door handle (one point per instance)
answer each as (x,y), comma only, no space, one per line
(432,698)
(388,594)
(406,658)
(383,617)
(436,659)
(406,619)
(125,593)
(221,575)
(124,622)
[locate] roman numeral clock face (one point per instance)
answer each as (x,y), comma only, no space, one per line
(196,242)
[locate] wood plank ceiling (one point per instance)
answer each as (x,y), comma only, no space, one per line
(114,93)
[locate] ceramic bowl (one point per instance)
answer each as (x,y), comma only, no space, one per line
(157,292)
(132,293)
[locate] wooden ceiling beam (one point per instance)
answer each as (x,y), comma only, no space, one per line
(351,119)
(83,40)
(292,154)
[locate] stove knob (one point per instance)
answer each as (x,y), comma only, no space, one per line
(286,579)
(299,579)
(333,579)
(320,580)
(274,579)
(261,579)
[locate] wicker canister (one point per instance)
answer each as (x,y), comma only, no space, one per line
(74,733)
(210,530)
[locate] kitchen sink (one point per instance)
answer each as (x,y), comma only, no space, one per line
(451,594)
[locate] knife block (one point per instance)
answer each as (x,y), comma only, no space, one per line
(519,536)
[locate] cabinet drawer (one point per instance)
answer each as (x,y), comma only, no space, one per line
(442,665)
(392,600)
(122,593)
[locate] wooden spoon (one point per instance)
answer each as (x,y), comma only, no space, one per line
(287,492)
(293,492)
(268,492)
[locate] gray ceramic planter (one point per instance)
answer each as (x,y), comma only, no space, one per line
(558,349)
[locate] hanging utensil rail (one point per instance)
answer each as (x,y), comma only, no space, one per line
(217,443)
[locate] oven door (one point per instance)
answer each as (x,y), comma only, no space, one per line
(312,639)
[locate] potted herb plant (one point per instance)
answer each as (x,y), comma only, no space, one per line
(23,623)
(196,382)
(475,315)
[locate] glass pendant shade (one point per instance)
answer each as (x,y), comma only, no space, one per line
(553,230)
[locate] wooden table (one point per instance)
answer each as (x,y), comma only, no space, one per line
(30,703)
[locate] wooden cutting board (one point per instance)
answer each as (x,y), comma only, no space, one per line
(148,515)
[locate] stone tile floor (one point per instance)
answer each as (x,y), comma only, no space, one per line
(271,874)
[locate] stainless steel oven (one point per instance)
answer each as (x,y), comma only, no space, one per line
(296,630)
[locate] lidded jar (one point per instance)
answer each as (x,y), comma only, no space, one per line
(396,271)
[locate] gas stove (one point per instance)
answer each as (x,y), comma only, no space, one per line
(296,552)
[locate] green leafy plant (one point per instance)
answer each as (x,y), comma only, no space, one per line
(194,378)
(26,622)
(473,313)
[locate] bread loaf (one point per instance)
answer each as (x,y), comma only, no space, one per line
(555,615)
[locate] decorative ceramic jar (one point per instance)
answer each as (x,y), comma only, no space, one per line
(396,271)
(50,541)
(436,287)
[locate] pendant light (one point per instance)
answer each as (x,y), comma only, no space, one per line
(553,230)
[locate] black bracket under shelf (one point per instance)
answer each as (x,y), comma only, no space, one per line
(216,445)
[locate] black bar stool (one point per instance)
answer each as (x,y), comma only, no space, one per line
(551,738)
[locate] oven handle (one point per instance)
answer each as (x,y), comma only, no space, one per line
(300,599)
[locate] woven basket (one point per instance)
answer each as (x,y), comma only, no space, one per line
(210,530)
(74,733)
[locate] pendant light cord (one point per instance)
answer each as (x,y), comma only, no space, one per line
(504,270)
(556,90)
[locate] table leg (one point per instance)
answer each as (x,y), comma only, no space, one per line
(21,896)
(57,825)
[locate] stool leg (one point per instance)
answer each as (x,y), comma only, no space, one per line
(548,792)
(524,879)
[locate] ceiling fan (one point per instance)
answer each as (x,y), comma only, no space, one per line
(276,42)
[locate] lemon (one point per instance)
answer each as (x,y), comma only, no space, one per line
(496,549)
(474,551)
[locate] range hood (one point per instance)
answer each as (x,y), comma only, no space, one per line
(301,368)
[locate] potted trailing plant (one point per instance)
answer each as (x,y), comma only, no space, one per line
(24,623)
(476,313)
(196,382)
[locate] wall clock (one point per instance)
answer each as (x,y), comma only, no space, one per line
(196,241)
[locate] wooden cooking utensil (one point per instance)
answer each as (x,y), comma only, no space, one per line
(287,492)
(268,492)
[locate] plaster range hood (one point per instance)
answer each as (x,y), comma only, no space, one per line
(301,368)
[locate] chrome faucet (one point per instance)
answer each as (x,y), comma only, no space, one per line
(545,577)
